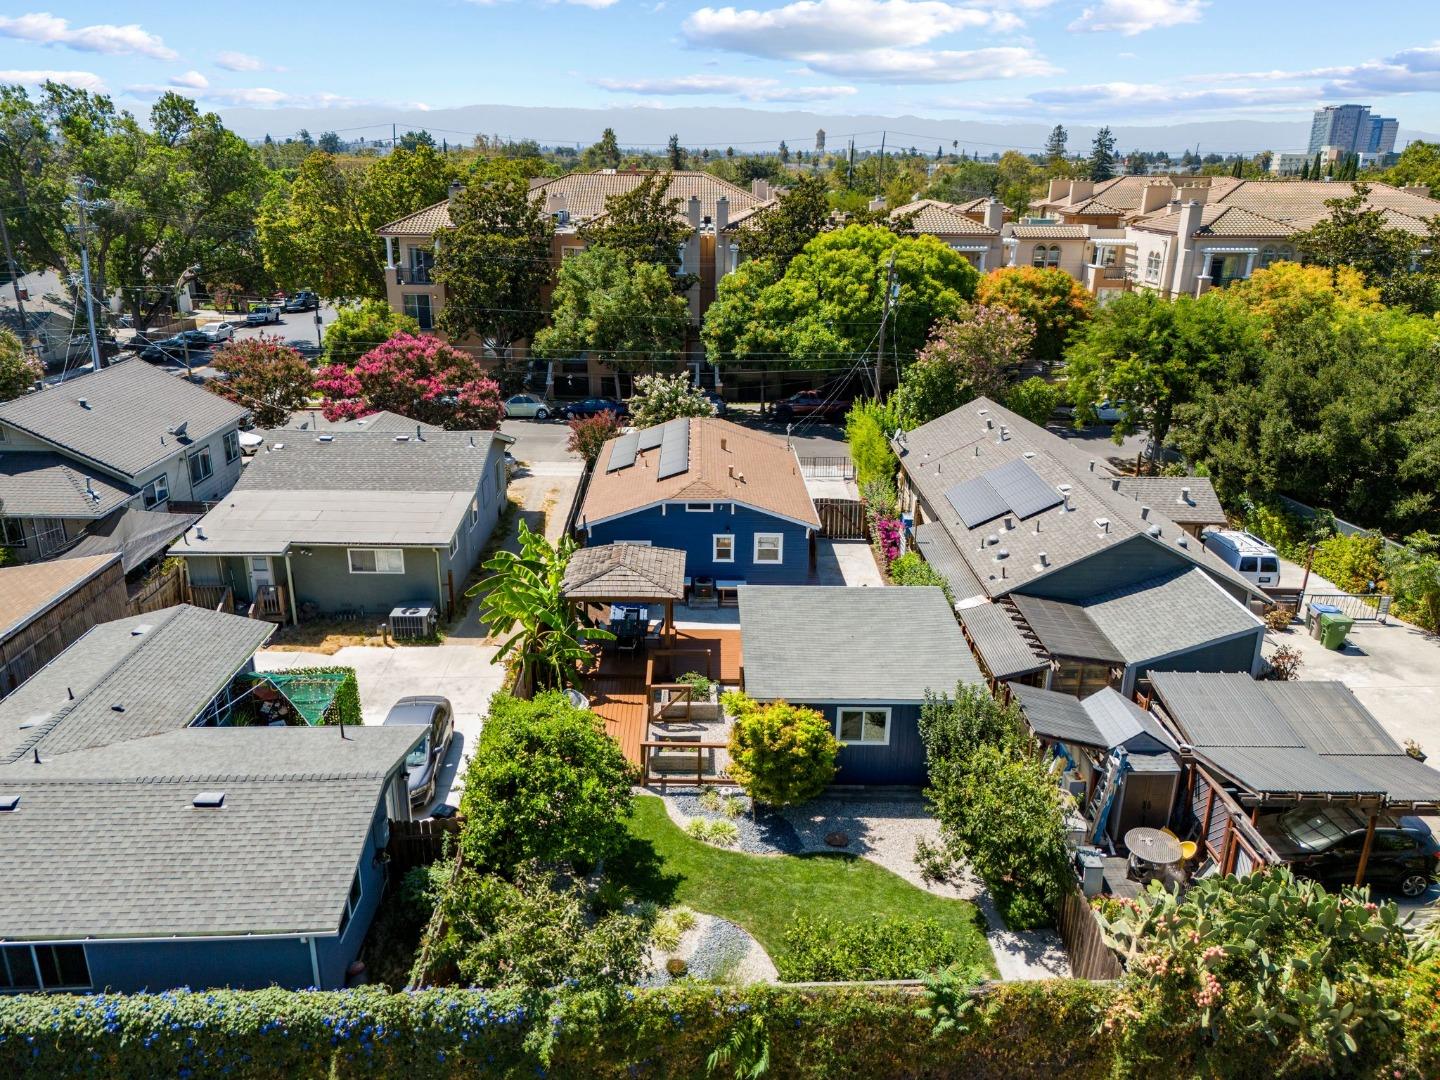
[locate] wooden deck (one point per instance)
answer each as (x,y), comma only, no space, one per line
(618,693)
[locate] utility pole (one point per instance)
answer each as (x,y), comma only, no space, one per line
(14,272)
(393,140)
(892,290)
(83,185)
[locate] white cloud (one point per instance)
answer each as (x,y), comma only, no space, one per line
(191,80)
(749,88)
(43,28)
(811,26)
(1131,17)
(1116,101)
(238,61)
(81,80)
(932,65)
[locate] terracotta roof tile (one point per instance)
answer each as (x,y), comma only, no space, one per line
(1048,232)
(942,219)
(1220,220)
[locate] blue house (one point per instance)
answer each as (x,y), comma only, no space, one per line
(863,657)
(732,499)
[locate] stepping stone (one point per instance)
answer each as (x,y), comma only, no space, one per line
(837,840)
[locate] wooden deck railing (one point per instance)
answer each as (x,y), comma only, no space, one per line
(675,776)
(213,597)
(659,710)
(270,604)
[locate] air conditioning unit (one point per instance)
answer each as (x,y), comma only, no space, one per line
(412,622)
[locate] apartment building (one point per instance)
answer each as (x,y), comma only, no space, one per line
(1351,129)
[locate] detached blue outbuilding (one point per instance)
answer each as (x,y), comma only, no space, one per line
(863,657)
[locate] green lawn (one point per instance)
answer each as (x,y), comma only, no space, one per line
(763,893)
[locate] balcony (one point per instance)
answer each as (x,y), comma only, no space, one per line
(414,275)
(1106,277)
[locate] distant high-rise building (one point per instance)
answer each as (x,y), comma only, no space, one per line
(1350,129)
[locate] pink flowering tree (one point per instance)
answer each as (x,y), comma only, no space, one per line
(419,377)
(978,352)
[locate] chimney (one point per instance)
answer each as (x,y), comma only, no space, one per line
(1184,280)
(692,212)
(722,245)
(994,214)
(761,190)
(1154,195)
(1058,189)
(1193,191)
(877,203)
(455,188)
(1080,190)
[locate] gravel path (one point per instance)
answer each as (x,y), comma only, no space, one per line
(715,950)
(770,834)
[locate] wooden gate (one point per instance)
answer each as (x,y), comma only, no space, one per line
(843,519)
(418,843)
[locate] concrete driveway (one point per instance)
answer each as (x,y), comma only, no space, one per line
(462,673)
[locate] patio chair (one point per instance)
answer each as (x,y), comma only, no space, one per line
(630,633)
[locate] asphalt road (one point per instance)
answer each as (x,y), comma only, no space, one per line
(297,326)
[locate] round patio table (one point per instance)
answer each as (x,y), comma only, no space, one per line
(1153,846)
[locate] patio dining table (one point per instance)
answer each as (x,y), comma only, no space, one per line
(1151,851)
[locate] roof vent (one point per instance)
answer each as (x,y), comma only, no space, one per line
(402,438)
(1028,454)
(419,435)
(1044,559)
(1183,540)
(208,800)
(200,533)
(84,403)
(279,446)
(9,804)
(1001,554)
(1103,524)
(1092,464)
(989,423)
(1185,496)
(1154,531)
(117,707)
(992,539)
(141,630)
(1009,523)
(1144,513)
(325,438)
(1114,483)
(724,446)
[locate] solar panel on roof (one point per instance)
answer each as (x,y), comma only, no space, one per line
(622,455)
(651,436)
(976,501)
(674,449)
(1022,488)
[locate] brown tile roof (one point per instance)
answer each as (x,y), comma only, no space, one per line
(625,572)
(1219,220)
(1048,232)
(26,591)
(941,219)
(747,220)
(1301,203)
(727,463)
(1125,192)
(586,194)
(1094,206)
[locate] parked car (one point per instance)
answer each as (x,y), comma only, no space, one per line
(1324,843)
(715,399)
(528,407)
(304,300)
(593,407)
(217,332)
(164,350)
(262,315)
(1255,560)
(422,765)
(811,403)
(197,340)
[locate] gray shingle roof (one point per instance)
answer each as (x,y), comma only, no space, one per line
(1169,614)
(1168,495)
(136,534)
(1307,738)
(47,484)
(314,420)
(851,645)
(132,410)
(625,572)
(967,443)
(939,551)
(369,461)
(162,668)
(1004,648)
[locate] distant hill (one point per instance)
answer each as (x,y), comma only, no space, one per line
(751,129)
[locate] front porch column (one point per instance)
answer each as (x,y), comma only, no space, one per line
(290,588)
(1249,263)
(389,253)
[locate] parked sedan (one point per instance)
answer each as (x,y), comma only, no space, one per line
(593,407)
(217,332)
(528,407)
(422,765)
(1324,843)
(262,315)
(811,403)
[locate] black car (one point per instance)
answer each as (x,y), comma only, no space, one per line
(165,349)
(304,300)
(594,406)
(1324,843)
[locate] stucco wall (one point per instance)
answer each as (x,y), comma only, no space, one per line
(693,532)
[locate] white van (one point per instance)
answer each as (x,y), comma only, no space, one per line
(1254,559)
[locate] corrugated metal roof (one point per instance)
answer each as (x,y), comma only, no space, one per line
(936,547)
(1066,629)
(851,645)
(1005,650)
(1282,770)
(1053,715)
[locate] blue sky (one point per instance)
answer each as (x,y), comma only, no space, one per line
(1072,61)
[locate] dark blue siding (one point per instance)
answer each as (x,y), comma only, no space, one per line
(693,533)
(337,953)
(901,761)
(132,966)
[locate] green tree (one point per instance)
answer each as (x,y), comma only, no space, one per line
(418,377)
(545,783)
(1051,300)
(781,231)
(780,754)
(974,354)
(267,377)
(1155,355)
(358,328)
(329,142)
(494,262)
(675,156)
(659,398)
(628,314)
(589,434)
(1356,234)
(1034,399)
(19,371)
(605,154)
(1056,154)
(1102,155)
(523,598)
(645,225)
(868,427)
(1417,166)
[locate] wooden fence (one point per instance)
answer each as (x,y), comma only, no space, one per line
(418,843)
(1090,957)
(161,590)
(843,519)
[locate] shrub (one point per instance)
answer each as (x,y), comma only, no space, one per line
(659,398)
(887,535)
(421,378)
(589,434)
(1413,574)
(1285,664)
(1034,399)
(669,926)
(780,753)
(263,375)
(1353,562)
(912,569)
(819,948)
(713,831)
(702,685)
(880,498)
(868,428)
(546,783)
(1279,617)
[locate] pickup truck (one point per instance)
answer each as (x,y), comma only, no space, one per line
(261,316)
(811,403)
(304,300)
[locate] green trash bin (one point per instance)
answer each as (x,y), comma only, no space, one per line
(1333,629)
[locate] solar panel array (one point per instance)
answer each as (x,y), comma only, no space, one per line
(674,448)
(651,436)
(622,455)
(1014,487)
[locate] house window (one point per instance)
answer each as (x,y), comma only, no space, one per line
(351,902)
(43,967)
(156,492)
(454,544)
(232,447)
(769,548)
(699,508)
(417,306)
(570,252)
(201,467)
(1038,258)
(1152,265)
(869,726)
(377,561)
(723,547)
(12,532)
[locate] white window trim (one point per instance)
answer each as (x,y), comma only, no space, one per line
(454,545)
(352,902)
(699,507)
(35,962)
(864,709)
(474,512)
(779,559)
(350,558)
(161,481)
(231,439)
(715,547)
(202,454)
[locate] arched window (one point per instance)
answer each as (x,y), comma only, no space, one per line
(1038,259)
(1285,254)
(1267,256)
(1052,257)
